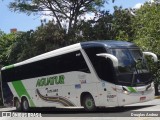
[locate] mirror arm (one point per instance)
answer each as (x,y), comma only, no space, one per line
(110,56)
(155,58)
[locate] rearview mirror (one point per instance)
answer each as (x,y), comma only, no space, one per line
(110,56)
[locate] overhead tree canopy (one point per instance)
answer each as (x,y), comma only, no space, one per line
(98,28)
(122,24)
(61,10)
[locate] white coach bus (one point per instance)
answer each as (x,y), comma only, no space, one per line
(89,74)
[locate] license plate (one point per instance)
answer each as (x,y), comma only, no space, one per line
(142,99)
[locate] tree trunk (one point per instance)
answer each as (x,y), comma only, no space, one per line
(156,89)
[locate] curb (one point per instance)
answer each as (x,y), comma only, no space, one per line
(157,97)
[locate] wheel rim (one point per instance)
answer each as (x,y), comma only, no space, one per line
(89,103)
(25,105)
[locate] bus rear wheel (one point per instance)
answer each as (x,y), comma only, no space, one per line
(25,105)
(18,105)
(88,103)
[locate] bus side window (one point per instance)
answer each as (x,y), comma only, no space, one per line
(103,67)
(73,61)
(68,62)
(80,63)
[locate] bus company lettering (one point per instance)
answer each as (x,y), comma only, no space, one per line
(55,80)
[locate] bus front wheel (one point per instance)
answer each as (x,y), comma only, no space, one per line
(88,103)
(25,105)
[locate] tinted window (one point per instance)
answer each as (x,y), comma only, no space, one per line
(73,61)
(103,66)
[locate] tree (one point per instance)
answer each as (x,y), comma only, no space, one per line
(102,29)
(6,41)
(22,48)
(122,24)
(62,10)
(116,26)
(97,29)
(147,32)
(147,27)
(28,44)
(49,37)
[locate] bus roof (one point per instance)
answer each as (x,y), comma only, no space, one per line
(110,44)
(74,47)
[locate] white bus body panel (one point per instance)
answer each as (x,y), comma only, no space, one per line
(75,83)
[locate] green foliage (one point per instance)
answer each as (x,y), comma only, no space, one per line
(22,48)
(6,40)
(147,32)
(107,26)
(49,37)
(147,27)
(122,24)
(102,27)
(29,44)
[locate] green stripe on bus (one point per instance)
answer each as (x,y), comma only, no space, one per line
(20,89)
(9,67)
(131,89)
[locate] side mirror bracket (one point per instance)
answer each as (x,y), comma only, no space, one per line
(154,56)
(110,56)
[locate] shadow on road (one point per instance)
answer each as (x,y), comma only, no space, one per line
(82,111)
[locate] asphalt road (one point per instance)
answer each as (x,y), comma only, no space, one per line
(113,113)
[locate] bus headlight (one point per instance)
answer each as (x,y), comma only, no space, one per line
(126,92)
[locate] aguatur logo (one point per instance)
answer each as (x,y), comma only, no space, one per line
(54,80)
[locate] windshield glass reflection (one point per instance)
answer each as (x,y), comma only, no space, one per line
(129,60)
(132,69)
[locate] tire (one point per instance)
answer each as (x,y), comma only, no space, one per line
(18,105)
(25,105)
(88,103)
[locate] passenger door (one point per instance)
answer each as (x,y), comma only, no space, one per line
(107,87)
(105,73)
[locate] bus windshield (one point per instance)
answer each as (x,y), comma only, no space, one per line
(132,67)
(128,59)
